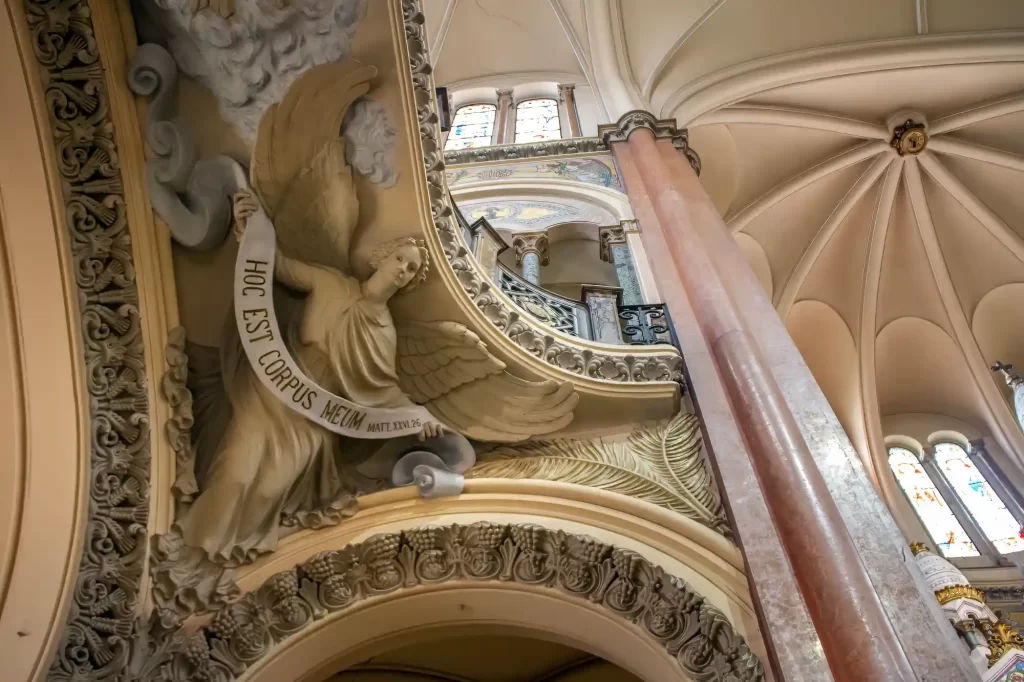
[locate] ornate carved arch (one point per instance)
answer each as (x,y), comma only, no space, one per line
(329,584)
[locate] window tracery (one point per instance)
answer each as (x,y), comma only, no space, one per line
(472,126)
(981,501)
(537,121)
(935,515)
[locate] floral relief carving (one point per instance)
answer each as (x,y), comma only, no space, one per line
(666,609)
(101,621)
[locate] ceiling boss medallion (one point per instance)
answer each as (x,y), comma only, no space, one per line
(909,138)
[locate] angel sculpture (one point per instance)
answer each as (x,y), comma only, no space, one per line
(264,461)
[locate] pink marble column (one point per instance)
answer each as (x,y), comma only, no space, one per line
(856,635)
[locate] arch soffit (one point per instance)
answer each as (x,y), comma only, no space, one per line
(614,202)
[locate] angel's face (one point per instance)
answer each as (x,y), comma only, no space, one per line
(401,266)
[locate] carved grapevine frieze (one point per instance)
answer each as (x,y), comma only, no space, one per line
(578,145)
(693,631)
(101,621)
(484,293)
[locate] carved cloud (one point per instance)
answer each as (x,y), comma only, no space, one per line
(251,58)
(371,140)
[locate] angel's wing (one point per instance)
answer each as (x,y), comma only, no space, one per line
(298,167)
(447,368)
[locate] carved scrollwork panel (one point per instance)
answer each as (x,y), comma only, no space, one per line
(101,624)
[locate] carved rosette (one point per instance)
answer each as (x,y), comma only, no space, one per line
(531,242)
(667,610)
(626,367)
(632,121)
(97,638)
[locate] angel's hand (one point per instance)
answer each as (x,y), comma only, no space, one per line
(245,205)
(431,430)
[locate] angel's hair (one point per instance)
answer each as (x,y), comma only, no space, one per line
(388,248)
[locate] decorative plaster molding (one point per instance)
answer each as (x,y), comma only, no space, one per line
(628,366)
(576,145)
(608,237)
(96,642)
(659,464)
(619,581)
(531,242)
(632,121)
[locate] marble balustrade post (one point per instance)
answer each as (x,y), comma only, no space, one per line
(531,253)
(615,250)
(856,632)
(603,303)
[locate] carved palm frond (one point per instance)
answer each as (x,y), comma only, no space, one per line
(660,464)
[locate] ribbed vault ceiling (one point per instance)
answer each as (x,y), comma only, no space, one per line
(901,278)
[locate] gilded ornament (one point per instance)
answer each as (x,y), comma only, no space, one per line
(954,592)
(909,138)
(1000,637)
(918,547)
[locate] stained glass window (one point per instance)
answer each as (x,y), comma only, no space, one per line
(472,126)
(936,517)
(977,495)
(537,120)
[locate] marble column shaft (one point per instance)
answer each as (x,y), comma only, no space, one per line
(855,631)
(923,634)
(531,267)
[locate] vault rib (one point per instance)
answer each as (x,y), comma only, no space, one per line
(1001,421)
(982,213)
(748,213)
(877,454)
(799,273)
(795,118)
(969,150)
(977,114)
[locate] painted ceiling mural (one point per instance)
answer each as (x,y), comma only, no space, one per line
(534,214)
(591,170)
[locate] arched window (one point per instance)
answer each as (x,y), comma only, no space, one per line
(537,120)
(935,515)
(472,126)
(977,495)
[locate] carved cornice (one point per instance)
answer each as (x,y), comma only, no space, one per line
(1004,593)
(612,235)
(632,121)
(629,365)
(531,242)
(621,582)
(96,642)
(512,152)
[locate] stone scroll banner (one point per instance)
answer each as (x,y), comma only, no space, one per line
(274,365)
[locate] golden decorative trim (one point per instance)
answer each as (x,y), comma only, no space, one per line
(948,594)
(918,548)
(1001,637)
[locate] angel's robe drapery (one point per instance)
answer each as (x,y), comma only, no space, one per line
(272,461)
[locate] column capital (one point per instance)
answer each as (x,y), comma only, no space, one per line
(609,236)
(632,121)
(531,242)
(564,88)
(504,95)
